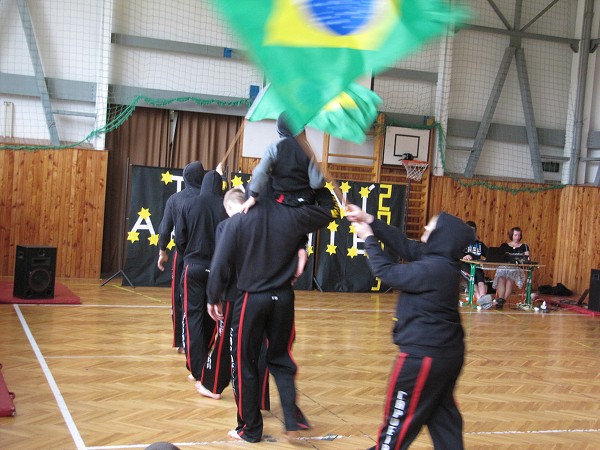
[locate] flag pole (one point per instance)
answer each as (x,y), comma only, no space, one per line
(232,145)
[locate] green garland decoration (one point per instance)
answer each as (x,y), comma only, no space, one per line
(124,113)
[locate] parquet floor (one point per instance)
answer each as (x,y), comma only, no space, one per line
(102,375)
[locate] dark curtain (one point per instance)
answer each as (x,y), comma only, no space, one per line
(144,140)
(206,138)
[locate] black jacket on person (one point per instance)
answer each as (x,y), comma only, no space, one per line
(198,220)
(262,246)
(287,167)
(193,174)
(428,320)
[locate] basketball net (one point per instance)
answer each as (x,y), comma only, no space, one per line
(414,168)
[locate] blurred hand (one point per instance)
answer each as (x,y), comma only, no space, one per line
(163,257)
(363,229)
(215,311)
(355,214)
(248,204)
(302,260)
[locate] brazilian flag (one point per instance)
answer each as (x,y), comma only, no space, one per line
(311,50)
(347,116)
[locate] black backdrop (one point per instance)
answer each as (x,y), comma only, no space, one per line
(337,261)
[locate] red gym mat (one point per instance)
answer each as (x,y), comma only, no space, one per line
(7,407)
(62,296)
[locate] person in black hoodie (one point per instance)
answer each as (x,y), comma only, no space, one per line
(193,174)
(427,330)
(195,240)
(261,246)
(294,176)
(216,374)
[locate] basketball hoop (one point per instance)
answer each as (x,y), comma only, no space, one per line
(414,171)
(414,168)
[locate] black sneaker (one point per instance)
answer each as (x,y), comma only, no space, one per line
(500,302)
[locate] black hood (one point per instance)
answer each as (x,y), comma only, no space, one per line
(193,174)
(212,183)
(283,128)
(450,237)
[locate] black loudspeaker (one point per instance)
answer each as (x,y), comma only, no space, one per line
(35,269)
(594,300)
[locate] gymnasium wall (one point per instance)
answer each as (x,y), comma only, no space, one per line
(54,198)
(57,198)
(101,58)
(558,224)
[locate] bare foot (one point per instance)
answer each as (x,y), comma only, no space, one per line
(181,350)
(203,391)
(293,436)
(191,377)
(233,435)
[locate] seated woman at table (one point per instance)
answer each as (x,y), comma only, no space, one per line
(474,252)
(507,276)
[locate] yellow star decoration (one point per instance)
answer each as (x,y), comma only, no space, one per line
(364,192)
(237,181)
(171,244)
(351,229)
(144,213)
(329,185)
(345,187)
(352,252)
(133,236)
(331,249)
(224,186)
(166,177)
(153,239)
(310,250)
(333,226)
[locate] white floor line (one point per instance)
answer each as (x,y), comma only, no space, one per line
(588,430)
(231,442)
(53,386)
(329,438)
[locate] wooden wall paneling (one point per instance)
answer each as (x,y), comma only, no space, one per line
(589,237)
(578,236)
(82,180)
(53,197)
(6,207)
(63,221)
(99,173)
(561,225)
(247,164)
(69,209)
(18,220)
(565,228)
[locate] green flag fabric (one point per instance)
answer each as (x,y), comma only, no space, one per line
(311,50)
(347,116)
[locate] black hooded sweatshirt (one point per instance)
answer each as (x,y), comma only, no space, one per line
(193,174)
(428,320)
(289,166)
(262,247)
(198,220)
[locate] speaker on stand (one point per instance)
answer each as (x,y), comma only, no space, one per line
(35,271)
(594,299)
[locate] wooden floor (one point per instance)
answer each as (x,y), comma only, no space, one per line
(102,375)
